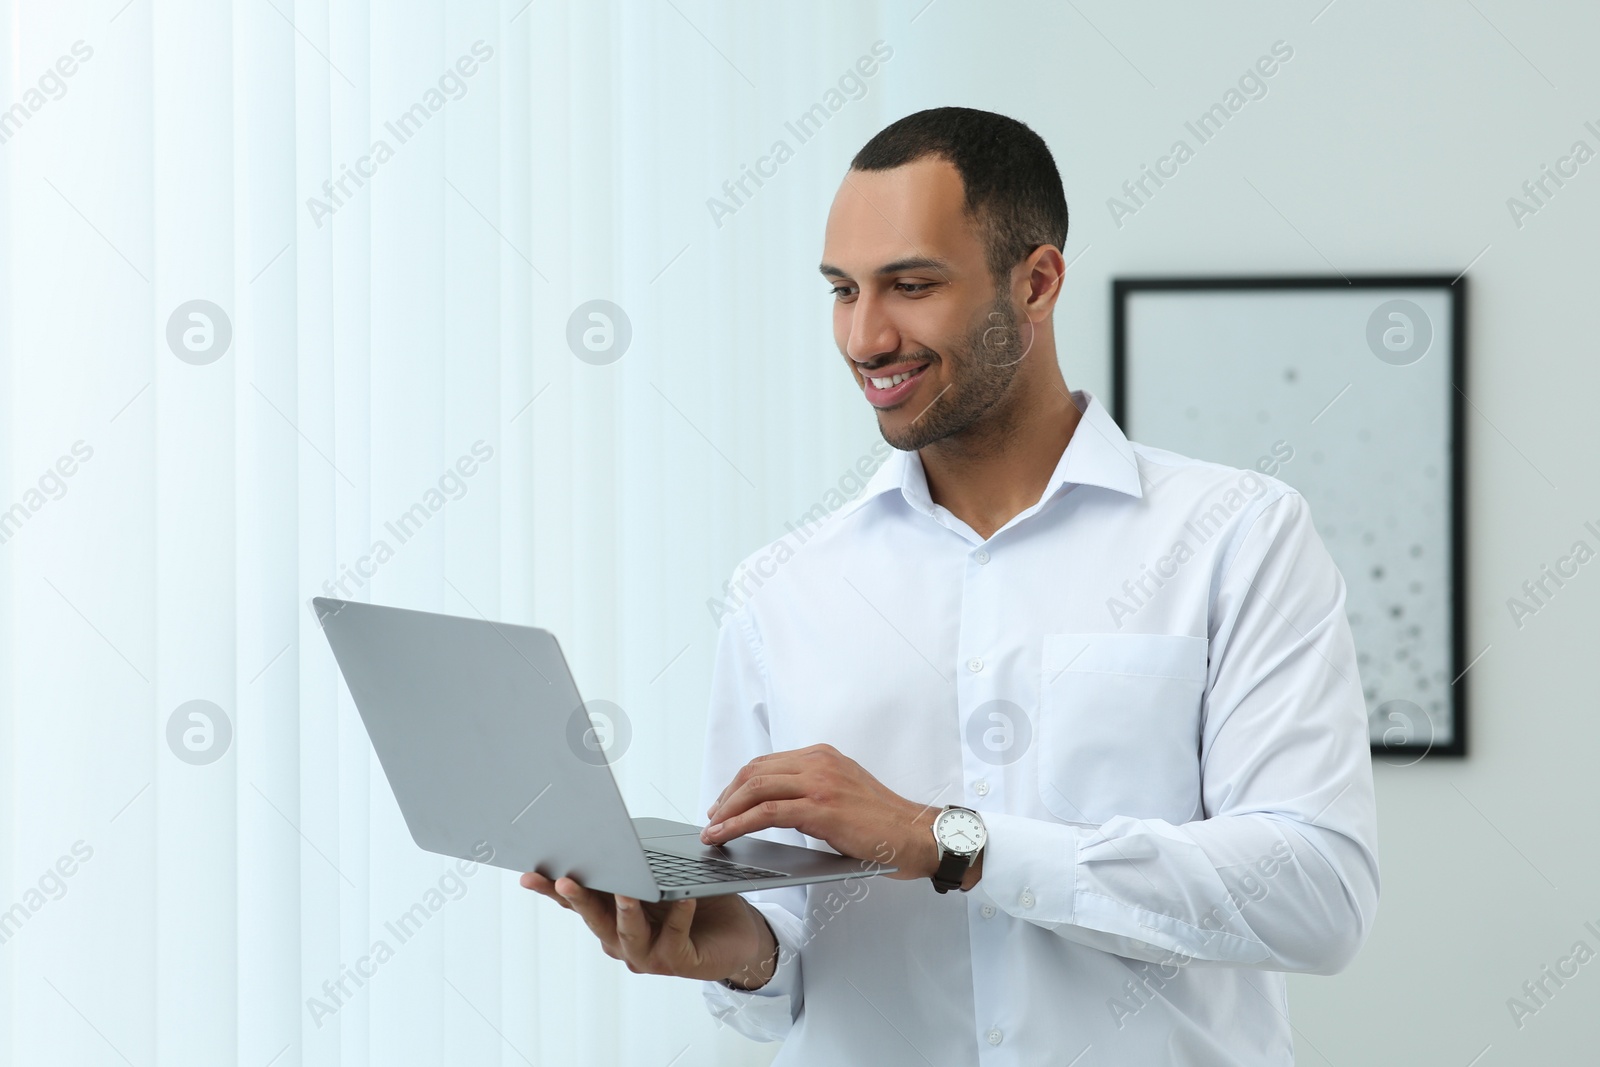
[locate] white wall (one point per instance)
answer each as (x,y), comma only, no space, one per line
(1389,142)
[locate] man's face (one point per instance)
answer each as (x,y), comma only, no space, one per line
(930,341)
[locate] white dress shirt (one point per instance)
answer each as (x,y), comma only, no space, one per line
(1145,683)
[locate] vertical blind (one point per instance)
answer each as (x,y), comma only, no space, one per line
(299,299)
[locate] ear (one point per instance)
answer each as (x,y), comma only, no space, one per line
(1038,281)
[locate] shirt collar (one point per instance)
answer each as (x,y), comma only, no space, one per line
(1098,453)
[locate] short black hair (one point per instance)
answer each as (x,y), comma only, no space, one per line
(1013,190)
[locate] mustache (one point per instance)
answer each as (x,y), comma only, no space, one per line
(927,357)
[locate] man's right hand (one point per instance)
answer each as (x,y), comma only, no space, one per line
(708,938)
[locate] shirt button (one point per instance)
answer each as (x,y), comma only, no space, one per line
(974,665)
(1026,900)
(981,556)
(981,787)
(988,911)
(995,1037)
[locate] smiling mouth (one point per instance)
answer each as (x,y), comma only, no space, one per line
(894,383)
(890,381)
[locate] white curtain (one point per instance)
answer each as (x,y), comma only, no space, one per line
(224,382)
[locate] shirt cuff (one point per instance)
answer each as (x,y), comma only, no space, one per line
(1030,868)
(765,1014)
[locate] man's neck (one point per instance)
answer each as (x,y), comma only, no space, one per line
(988,475)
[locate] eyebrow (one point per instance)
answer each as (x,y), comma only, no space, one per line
(899,266)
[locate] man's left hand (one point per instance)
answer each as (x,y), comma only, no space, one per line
(830,797)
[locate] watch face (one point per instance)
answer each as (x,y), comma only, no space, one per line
(960,831)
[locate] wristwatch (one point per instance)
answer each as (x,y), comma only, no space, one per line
(960,835)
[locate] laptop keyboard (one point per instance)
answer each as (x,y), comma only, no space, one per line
(674,871)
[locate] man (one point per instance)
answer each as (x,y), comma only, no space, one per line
(1097,701)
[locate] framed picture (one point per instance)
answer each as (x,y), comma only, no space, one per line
(1350,390)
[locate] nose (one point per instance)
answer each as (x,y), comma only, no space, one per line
(872,333)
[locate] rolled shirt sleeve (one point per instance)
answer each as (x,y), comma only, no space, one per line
(736,732)
(1281,871)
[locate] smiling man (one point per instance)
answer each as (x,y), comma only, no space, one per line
(1114,831)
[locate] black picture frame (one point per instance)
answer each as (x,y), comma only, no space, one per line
(1400,746)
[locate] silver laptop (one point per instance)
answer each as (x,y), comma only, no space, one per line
(489,751)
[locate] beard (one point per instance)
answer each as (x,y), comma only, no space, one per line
(982,366)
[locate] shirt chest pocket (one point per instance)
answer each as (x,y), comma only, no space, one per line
(1119,726)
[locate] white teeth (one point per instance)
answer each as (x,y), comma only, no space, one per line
(889,383)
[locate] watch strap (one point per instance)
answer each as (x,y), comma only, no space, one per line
(952,869)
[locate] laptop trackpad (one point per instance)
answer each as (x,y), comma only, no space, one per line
(682,839)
